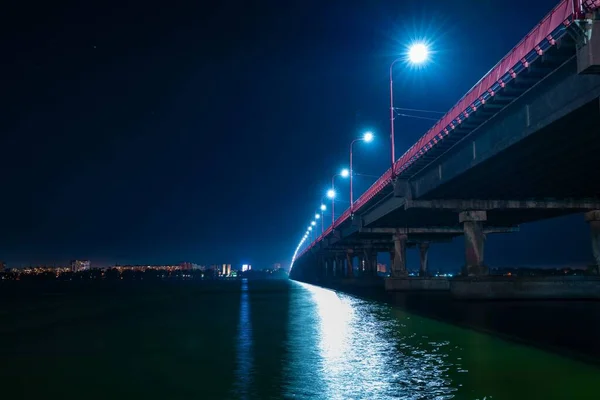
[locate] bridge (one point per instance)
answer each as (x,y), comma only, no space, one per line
(521,146)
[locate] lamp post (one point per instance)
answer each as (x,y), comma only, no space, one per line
(319,215)
(344,173)
(367,137)
(417,53)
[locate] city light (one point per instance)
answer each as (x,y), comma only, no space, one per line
(345,173)
(368,136)
(331,193)
(317,216)
(313,223)
(418,53)
(323,207)
(310,228)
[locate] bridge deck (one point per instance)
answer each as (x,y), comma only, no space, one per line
(505,82)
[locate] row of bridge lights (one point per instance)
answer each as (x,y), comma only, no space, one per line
(416,54)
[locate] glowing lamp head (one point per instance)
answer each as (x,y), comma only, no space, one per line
(313,223)
(418,53)
(317,216)
(323,207)
(310,228)
(345,173)
(331,193)
(368,137)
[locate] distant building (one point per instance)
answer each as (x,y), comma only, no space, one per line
(80,265)
(246,267)
(226,271)
(2,266)
(185,265)
(277,266)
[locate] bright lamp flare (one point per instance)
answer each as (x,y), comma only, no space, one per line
(345,173)
(323,207)
(313,223)
(331,193)
(418,53)
(368,136)
(310,228)
(317,216)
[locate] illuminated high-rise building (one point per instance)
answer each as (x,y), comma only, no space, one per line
(80,265)
(226,269)
(277,266)
(2,266)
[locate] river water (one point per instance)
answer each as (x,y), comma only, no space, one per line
(272,340)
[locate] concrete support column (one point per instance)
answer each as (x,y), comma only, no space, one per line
(339,267)
(361,265)
(320,270)
(472,222)
(372,263)
(399,262)
(370,258)
(423,250)
(593,218)
(349,264)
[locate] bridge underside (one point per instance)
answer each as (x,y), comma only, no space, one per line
(529,153)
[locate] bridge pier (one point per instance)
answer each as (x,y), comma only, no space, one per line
(423,252)
(593,218)
(472,222)
(361,264)
(327,266)
(399,255)
(338,267)
(350,263)
(371,258)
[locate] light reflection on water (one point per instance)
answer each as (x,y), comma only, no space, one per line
(336,346)
(244,360)
(360,354)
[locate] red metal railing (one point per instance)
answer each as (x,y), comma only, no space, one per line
(588,5)
(517,60)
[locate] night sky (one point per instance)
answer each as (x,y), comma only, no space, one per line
(161,132)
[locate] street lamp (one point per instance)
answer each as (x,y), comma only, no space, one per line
(416,54)
(344,173)
(367,137)
(322,208)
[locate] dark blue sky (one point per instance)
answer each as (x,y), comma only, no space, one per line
(165,131)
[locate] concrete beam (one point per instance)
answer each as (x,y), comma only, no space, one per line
(483,205)
(588,55)
(593,218)
(382,210)
(402,188)
(441,230)
(556,96)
